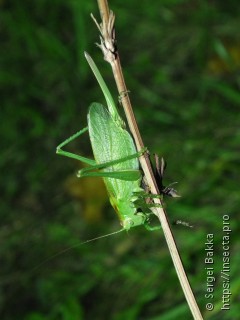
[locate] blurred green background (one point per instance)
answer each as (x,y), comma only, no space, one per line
(181,61)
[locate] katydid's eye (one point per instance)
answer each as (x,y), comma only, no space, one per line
(128,223)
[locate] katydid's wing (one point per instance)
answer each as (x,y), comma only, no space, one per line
(111,142)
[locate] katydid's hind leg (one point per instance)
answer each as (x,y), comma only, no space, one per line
(73,155)
(73,137)
(128,175)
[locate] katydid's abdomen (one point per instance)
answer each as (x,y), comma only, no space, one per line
(111,142)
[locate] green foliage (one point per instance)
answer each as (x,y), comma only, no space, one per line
(181,61)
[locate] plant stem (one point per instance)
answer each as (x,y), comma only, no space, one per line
(108,46)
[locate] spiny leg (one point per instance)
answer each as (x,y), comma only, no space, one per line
(147,208)
(73,155)
(149,228)
(129,175)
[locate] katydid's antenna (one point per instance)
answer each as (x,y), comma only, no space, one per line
(75,246)
(100,237)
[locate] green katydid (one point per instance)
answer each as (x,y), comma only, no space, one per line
(116,159)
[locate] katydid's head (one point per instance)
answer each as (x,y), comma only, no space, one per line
(137,219)
(127,224)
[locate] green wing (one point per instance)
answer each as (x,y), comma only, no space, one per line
(111,142)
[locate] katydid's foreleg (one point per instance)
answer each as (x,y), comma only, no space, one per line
(73,155)
(129,175)
(185,224)
(149,228)
(147,225)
